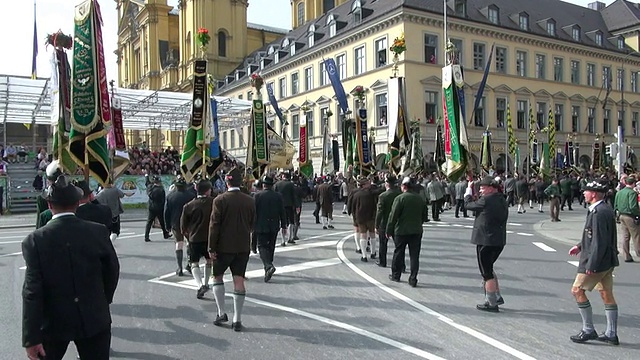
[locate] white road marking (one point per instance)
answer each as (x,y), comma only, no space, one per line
(574,263)
(22,268)
(356,330)
(510,232)
(514,224)
(281,249)
(525,234)
(469,331)
(12,254)
(469,226)
(458,225)
(11,242)
(544,247)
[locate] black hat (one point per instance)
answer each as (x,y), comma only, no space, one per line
(391,180)
(84,186)
(597,186)
(234,177)
(63,192)
(267,180)
(53,171)
(488,181)
(180,180)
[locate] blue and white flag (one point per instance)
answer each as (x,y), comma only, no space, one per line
(334,77)
(214,145)
(274,103)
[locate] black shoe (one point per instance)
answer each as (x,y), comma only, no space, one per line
(628,260)
(381,264)
(179,272)
(413,282)
(358,251)
(317,221)
(393,278)
(291,242)
(147,240)
(188,268)
(269,273)
(611,340)
(324,228)
(203,290)
(283,244)
(220,319)
(374,255)
(331,227)
(237,326)
(368,248)
(500,301)
(583,336)
(487,307)
(167,236)
(296,237)
(364,259)
(344,213)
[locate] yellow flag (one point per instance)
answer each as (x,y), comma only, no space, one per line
(28,126)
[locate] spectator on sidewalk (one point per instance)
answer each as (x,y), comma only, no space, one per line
(10,153)
(23,153)
(626,204)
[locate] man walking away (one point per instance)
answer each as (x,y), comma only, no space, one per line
(172,214)
(270,219)
(490,236)
(232,220)
(522,191)
(566,192)
(363,206)
(461,187)
(55,310)
(405,227)
(385,201)
(325,197)
(156,194)
(91,210)
(510,189)
(286,188)
(598,257)
(111,196)
(626,204)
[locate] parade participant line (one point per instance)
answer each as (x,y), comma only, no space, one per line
(354,329)
(469,331)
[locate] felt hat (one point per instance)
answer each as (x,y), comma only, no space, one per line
(391,180)
(597,186)
(84,186)
(267,180)
(234,177)
(63,192)
(488,181)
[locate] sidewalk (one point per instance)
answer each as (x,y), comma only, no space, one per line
(567,231)
(29,220)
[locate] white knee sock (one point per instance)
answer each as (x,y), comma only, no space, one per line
(356,238)
(325,221)
(238,304)
(363,244)
(344,207)
(329,220)
(540,207)
(207,273)
(197,274)
(374,243)
(218,294)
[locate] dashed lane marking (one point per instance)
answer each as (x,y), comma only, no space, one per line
(514,224)
(544,246)
(11,254)
(467,330)
(524,234)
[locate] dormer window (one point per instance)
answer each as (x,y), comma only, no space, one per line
(292,48)
(276,57)
(493,14)
(331,23)
(285,43)
(523,21)
(271,50)
(575,33)
(460,7)
(311,35)
(620,43)
(356,9)
(599,38)
(551,27)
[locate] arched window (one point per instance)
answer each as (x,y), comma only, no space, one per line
(300,13)
(331,22)
(311,35)
(222,44)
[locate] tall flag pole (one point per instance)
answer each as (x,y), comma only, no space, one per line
(532,145)
(511,141)
(60,99)
(341,96)
(90,102)
(553,153)
(34,59)
(483,83)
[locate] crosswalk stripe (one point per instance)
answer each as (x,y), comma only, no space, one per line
(544,247)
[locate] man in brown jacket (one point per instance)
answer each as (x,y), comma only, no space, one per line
(194,225)
(232,220)
(363,206)
(325,198)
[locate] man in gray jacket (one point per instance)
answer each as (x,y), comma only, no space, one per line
(461,187)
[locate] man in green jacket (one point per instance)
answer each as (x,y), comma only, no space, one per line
(567,192)
(553,193)
(405,227)
(626,204)
(385,201)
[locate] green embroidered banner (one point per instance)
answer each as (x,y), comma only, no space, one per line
(192,159)
(259,132)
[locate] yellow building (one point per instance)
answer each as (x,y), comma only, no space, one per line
(157,46)
(558,60)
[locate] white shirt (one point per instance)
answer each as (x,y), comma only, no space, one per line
(593,206)
(62,214)
(233,188)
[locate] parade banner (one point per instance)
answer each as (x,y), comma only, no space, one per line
(347,143)
(192,160)
(305,164)
(334,77)
(535,159)
(274,104)
(364,154)
(336,155)
(483,82)
(512,139)
(90,108)
(281,152)
(551,127)
(399,138)
(439,155)
(61,109)
(486,158)
(455,134)
(120,161)
(327,152)
(259,132)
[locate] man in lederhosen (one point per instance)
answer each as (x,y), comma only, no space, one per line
(232,220)
(111,196)
(385,200)
(286,188)
(489,235)
(325,198)
(362,205)
(270,219)
(63,254)
(176,201)
(598,252)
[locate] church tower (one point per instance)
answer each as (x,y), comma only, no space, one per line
(303,11)
(226,21)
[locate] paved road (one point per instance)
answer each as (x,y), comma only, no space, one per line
(323,303)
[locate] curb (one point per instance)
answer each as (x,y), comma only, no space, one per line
(24,226)
(538,228)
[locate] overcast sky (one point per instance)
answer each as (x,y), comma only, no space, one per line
(58,14)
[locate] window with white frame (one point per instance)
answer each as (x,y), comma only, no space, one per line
(541,114)
(295,126)
(521,115)
(634,81)
(591,120)
(341,64)
(431,48)
(331,23)
(575,33)
(606,121)
(558,116)
(501,60)
(478,56)
(295,83)
(292,49)
(311,35)
(431,106)
(282,85)
(324,75)
(551,27)
(619,79)
(459,46)
(575,118)
(606,76)
(310,125)
(460,7)
(599,39)
(523,21)
(381,109)
(575,72)
(308,78)
(360,64)
(381,52)
(493,15)
(540,68)
(521,63)
(558,69)
(591,74)
(501,112)
(479,115)
(232,137)
(356,9)
(620,43)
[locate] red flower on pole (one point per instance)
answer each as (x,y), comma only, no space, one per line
(358,92)
(203,37)
(257,81)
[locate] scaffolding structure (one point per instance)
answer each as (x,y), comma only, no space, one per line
(28,101)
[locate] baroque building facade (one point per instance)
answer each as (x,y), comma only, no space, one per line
(582,65)
(157,47)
